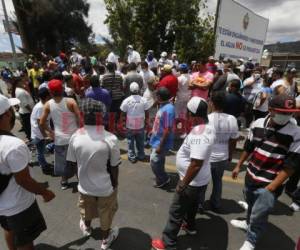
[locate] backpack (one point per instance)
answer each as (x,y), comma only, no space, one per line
(4,178)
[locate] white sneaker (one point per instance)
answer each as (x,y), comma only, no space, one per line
(243,204)
(295,207)
(247,246)
(86,231)
(111,237)
(241,224)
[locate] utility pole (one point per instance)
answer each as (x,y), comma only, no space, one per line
(216,21)
(13,48)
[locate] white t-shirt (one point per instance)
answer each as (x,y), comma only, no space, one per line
(135,106)
(277,83)
(25,99)
(183,93)
(197,145)
(134,57)
(36,114)
(14,157)
(226,127)
(91,147)
(146,75)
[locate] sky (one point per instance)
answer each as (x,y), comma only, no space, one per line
(283,15)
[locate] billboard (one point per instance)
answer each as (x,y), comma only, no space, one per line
(240,33)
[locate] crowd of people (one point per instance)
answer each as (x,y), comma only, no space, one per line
(78,107)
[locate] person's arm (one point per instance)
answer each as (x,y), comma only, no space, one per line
(73,107)
(24,179)
(114,176)
(191,173)
(263,98)
(231,148)
(43,124)
(282,176)
(237,169)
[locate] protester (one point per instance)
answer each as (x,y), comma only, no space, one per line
(20,216)
(226,128)
(132,76)
(26,105)
(37,136)
(221,84)
(35,74)
(201,81)
(133,56)
(211,66)
(287,85)
(96,153)
(168,80)
(164,60)
(65,115)
(151,61)
(136,109)
(162,137)
(146,74)
(192,162)
(273,159)
(174,60)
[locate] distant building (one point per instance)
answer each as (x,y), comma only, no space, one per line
(6,59)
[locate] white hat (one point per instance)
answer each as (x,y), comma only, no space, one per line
(164,54)
(211,58)
(198,105)
(129,46)
(241,59)
(6,103)
(134,87)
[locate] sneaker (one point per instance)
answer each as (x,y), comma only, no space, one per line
(64,185)
(106,243)
(295,207)
(188,231)
(243,204)
(163,184)
(247,246)
(132,160)
(241,224)
(86,231)
(158,244)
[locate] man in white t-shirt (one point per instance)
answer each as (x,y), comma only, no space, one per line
(193,167)
(97,155)
(133,56)
(20,216)
(37,136)
(226,127)
(146,74)
(136,108)
(26,105)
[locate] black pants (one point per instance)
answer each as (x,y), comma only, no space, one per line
(259,114)
(25,120)
(183,207)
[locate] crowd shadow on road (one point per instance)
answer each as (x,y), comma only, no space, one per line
(281,209)
(212,234)
(275,238)
(129,239)
(228,206)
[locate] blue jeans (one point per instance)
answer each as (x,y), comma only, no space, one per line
(40,148)
(157,162)
(260,202)
(217,171)
(136,138)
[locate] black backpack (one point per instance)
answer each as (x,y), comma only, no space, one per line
(4,179)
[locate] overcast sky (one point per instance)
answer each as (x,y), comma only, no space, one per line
(283,15)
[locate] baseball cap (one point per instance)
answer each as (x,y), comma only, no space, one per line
(167,68)
(6,103)
(198,106)
(55,86)
(183,66)
(164,54)
(134,87)
(284,104)
(129,46)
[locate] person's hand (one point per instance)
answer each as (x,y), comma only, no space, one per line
(235,172)
(158,150)
(51,135)
(270,188)
(180,187)
(48,195)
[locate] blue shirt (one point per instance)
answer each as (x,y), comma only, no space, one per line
(99,94)
(165,118)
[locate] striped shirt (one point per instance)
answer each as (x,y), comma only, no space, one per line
(113,82)
(272,149)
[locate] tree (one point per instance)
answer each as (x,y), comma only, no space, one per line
(164,25)
(52,25)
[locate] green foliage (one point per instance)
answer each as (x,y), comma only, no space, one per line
(51,25)
(162,25)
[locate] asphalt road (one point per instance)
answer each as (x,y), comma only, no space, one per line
(143,212)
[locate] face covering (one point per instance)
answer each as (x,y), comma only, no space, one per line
(257,76)
(150,57)
(281,119)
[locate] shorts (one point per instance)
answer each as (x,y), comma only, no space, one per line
(103,208)
(60,162)
(26,226)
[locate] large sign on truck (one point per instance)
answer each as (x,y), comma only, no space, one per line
(240,33)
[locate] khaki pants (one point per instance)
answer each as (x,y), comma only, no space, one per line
(103,208)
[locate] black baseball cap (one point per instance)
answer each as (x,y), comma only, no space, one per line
(283,103)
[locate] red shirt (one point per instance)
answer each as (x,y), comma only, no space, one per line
(170,82)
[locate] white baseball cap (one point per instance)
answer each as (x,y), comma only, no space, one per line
(134,87)
(164,54)
(198,105)
(6,103)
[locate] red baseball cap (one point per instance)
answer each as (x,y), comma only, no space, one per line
(55,86)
